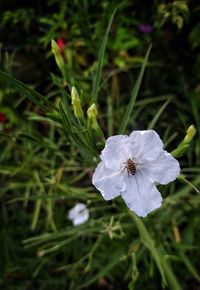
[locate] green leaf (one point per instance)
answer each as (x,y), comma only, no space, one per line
(77,137)
(102,272)
(157,115)
(149,243)
(189,265)
(134,94)
(98,74)
(31,94)
(158,254)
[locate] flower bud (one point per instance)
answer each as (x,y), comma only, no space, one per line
(191,131)
(61,44)
(184,145)
(76,103)
(92,116)
(57,54)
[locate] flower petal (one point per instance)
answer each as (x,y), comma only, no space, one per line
(81,219)
(116,151)
(110,183)
(79,214)
(146,145)
(164,169)
(73,212)
(141,195)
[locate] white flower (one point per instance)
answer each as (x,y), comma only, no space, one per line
(79,214)
(131,165)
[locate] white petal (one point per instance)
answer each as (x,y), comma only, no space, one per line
(164,169)
(141,195)
(79,214)
(76,210)
(116,151)
(110,183)
(81,219)
(146,145)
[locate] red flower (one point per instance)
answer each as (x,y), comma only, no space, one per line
(2,117)
(61,44)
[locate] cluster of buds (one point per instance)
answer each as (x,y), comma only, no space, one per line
(91,112)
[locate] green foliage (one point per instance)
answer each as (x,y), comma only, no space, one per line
(16,17)
(99,68)
(176,12)
(127,114)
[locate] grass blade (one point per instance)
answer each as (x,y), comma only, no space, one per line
(189,265)
(158,254)
(98,74)
(103,272)
(157,115)
(134,94)
(149,243)
(171,278)
(25,90)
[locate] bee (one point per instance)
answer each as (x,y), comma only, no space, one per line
(130,166)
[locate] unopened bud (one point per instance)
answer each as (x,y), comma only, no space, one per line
(184,145)
(191,131)
(92,116)
(58,55)
(76,103)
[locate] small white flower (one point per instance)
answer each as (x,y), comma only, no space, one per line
(79,214)
(131,165)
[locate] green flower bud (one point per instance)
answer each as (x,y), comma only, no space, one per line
(76,103)
(191,131)
(184,145)
(57,54)
(92,116)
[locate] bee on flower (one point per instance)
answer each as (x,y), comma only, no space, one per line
(131,166)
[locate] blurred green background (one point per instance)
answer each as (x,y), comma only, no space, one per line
(47,155)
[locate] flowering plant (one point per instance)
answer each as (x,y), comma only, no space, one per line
(131,165)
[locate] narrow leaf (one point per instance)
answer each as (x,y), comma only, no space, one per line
(98,74)
(134,94)
(25,90)
(157,115)
(149,243)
